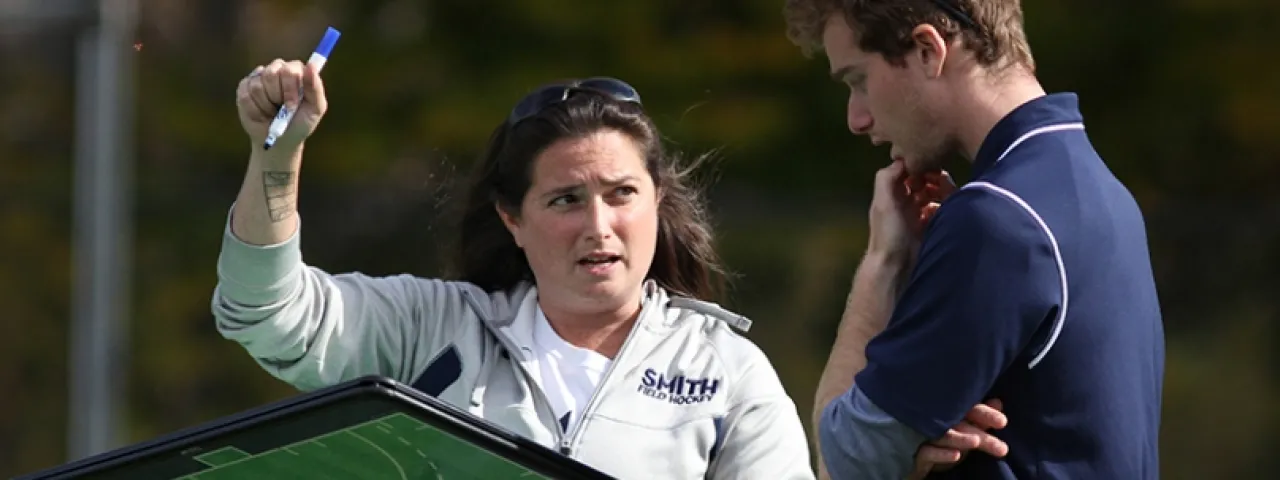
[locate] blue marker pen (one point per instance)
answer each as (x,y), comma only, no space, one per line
(318,59)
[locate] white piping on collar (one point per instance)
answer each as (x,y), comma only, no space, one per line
(1036,131)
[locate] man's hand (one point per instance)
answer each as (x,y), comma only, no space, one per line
(927,193)
(901,206)
(893,212)
(971,434)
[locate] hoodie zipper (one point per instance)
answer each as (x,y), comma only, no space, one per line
(571,438)
(541,397)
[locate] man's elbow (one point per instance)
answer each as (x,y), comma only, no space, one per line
(839,458)
(857,440)
(819,413)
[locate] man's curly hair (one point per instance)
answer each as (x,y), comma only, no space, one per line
(992,29)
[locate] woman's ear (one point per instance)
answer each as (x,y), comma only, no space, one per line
(511,222)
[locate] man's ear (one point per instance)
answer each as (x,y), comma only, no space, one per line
(931,49)
(511,222)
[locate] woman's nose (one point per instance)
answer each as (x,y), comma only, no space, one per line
(599,219)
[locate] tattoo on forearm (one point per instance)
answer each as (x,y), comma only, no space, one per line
(279,190)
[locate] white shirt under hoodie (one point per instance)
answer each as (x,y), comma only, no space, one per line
(686,397)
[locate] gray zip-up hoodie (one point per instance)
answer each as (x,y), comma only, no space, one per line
(686,397)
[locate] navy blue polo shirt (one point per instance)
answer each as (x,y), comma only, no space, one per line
(1034,286)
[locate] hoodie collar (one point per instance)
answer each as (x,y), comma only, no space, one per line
(520,328)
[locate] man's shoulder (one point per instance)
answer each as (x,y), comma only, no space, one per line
(984,211)
(988,234)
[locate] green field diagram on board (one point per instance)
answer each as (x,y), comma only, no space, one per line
(395,446)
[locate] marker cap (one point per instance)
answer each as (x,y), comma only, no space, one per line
(326,44)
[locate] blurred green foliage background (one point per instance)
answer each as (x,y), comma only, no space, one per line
(1179,96)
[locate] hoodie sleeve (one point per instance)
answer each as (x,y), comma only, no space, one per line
(764,438)
(313,329)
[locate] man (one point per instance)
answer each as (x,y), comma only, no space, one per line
(1031,284)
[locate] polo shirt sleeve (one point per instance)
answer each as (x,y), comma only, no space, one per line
(987,282)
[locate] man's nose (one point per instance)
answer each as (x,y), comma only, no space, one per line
(860,120)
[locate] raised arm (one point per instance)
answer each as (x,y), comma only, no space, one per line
(266,208)
(303,325)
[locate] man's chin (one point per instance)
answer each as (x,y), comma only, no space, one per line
(917,166)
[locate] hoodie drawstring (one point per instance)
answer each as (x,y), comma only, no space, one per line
(482,380)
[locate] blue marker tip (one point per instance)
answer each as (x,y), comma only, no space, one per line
(326,44)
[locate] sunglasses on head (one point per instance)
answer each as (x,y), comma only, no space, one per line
(549,95)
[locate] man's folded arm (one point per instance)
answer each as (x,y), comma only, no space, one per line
(984,293)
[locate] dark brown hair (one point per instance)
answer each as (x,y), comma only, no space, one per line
(685,261)
(996,37)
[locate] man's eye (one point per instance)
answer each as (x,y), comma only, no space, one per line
(626,191)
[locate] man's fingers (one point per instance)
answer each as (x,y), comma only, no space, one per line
(931,459)
(982,440)
(957,439)
(986,417)
(889,180)
(945,184)
(996,404)
(993,446)
(927,212)
(916,183)
(939,177)
(934,454)
(893,173)
(939,184)
(921,198)
(932,193)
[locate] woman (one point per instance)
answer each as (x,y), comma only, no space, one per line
(576,320)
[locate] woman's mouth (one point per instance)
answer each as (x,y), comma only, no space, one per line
(599,263)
